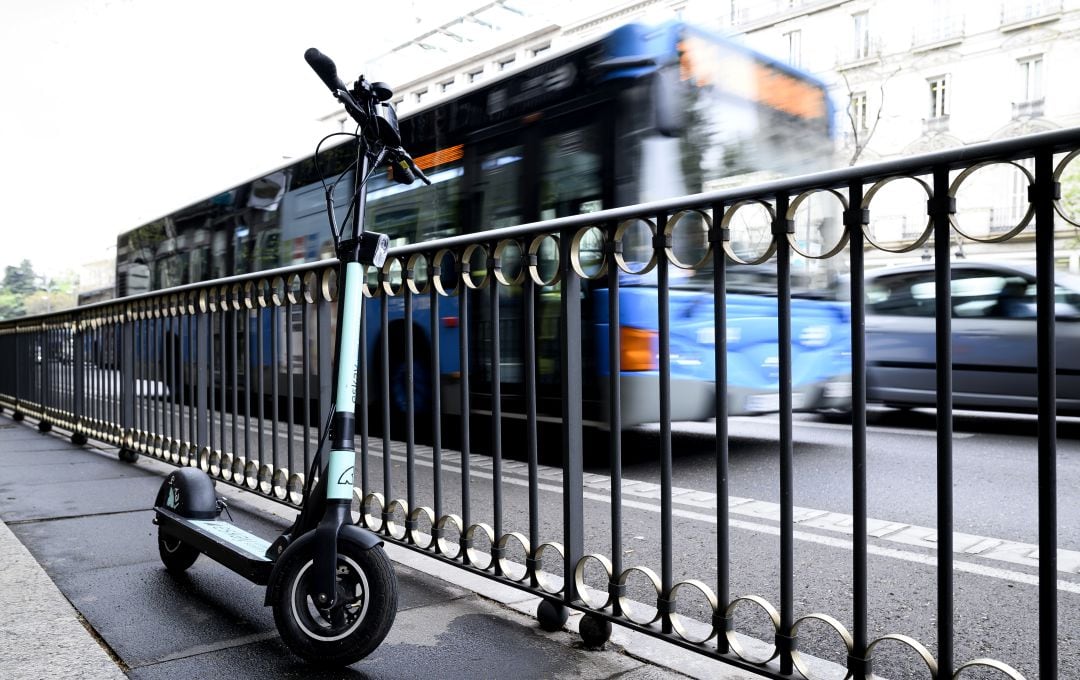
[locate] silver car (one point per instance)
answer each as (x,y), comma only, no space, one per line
(993,328)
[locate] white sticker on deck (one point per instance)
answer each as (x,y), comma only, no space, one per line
(235,536)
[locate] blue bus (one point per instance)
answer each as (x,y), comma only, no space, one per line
(639,114)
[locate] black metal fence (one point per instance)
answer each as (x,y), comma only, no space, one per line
(232,376)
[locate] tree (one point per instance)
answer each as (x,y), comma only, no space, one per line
(20,280)
(860,133)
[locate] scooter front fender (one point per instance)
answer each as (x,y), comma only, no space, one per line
(348,533)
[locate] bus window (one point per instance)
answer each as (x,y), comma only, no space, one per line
(499,188)
(570,179)
(415,212)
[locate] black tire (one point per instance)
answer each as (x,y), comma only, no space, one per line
(366,581)
(176,555)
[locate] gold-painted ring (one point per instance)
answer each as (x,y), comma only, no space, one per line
(725,224)
(620,256)
(626,604)
(869,196)
(251,475)
(845,637)
(583,590)
(999,666)
(676,620)
(911,642)
(545,580)
(411,267)
(575,254)
(371,521)
(1058,172)
(505,563)
(413,534)
(438,279)
(669,233)
(844,234)
(1017,228)
(393,528)
(443,544)
(386,277)
(474,282)
(279,484)
(472,553)
(295,488)
(733,642)
(500,263)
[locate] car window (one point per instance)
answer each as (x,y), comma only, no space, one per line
(906,294)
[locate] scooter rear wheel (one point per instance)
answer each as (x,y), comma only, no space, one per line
(176,555)
(365,585)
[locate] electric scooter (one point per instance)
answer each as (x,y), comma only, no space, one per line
(331,586)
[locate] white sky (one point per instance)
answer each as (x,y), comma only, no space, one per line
(115,112)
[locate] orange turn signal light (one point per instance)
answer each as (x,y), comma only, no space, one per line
(639,349)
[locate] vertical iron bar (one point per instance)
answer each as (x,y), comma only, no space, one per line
(234,374)
(1045,191)
(572,444)
(466,408)
(436,406)
(260,358)
(717,238)
(290,413)
(410,404)
(855,219)
(384,351)
(663,301)
(496,410)
(125,382)
(942,207)
(529,340)
(615,419)
(784,640)
(305,339)
(247,387)
(222,397)
(78,377)
(275,370)
(203,372)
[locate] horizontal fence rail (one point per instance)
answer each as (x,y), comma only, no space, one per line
(233,376)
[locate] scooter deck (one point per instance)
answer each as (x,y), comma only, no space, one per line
(228,544)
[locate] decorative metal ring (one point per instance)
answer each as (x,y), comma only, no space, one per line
(213,464)
(204,458)
(1001,666)
(192,302)
(500,259)
(669,232)
(211,296)
(626,604)
(583,589)
(237,297)
(248,294)
(174,451)
(869,196)
(277,291)
(203,303)
(157,446)
(392,528)
(128,439)
(1058,172)
(410,269)
(295,488)
(328,285)
(1024,221)
(264,291)
(725,224)
(188,455)
(251,475)
(533,261)
(370,289)
(228,460)
(387,270)
(546,581)
(438,279)
(575,254)
(845,636)
(373,522)
(620,234)
(311,287)
(676,620)
(733,642)
(922,651)
(412,534)
(471,282)
(505,562)
(443,544)
(278,484)
(473,553)
(844,234)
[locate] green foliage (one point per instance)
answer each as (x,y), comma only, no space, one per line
(25,292)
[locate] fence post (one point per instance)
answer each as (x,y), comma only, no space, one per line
(127,387)
(202,383)
(78,436)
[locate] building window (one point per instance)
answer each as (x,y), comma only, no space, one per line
(861,24)
(939,100)
(1031,79)
(539,49)
(420,95)
(857,109)
(473,76)
(446,85)
(794,48)
(504,64)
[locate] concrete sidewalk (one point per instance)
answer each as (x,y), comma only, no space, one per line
(87,597)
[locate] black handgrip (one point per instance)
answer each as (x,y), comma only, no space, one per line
(326,70)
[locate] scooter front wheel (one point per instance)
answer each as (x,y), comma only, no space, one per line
(366,590)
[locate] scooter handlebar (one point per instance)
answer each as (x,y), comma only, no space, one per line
(325,68)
